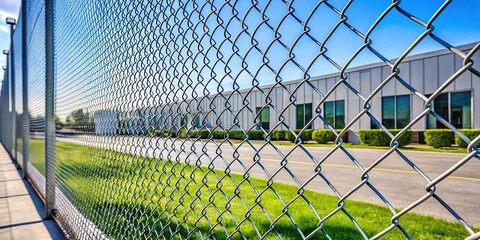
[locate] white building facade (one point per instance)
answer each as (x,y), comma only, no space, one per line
(273,107)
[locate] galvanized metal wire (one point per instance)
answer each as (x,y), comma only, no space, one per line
(136,82)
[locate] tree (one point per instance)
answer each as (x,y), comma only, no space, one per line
(58,123)
(78,118)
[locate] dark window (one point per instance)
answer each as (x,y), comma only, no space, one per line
(461,110)
(154,123)
(396,111)
(264,118)
(335,113)
(160,122)
(304,115)
(388,112)
(185,123)
(455,107)
(198,121)
(402,111)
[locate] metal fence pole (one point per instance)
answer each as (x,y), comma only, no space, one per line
(12,22)
(49,109)
(25,116)
(6,84)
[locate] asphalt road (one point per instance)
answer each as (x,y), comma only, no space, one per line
(394,178)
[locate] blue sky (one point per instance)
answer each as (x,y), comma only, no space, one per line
(8,8)
(458,24)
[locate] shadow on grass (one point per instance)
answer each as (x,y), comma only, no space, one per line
(140,222)
(140,197)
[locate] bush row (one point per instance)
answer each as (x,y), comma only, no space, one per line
(204,134)
(445,137)
(326,135)
(377,137)
(438,137)
(320,136)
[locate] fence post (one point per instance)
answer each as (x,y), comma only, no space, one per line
(25,116)
(13,148)
(6,101)
(49,109)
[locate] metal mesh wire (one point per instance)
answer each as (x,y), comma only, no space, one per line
(158,108)
(35,67)
(5,114)
(17,39)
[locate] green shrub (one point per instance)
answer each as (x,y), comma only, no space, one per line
(279,135)
(438,137)
(289,136)
(323,136)
(377,137)
(203,134)
(235,134)
(183,133)
(305,136)
(166,133)
(218,134)
(470,133)
(256,135)
(193,133)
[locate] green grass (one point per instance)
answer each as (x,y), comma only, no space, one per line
(37,154)
(140,197)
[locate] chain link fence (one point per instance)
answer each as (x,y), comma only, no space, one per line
(167,113)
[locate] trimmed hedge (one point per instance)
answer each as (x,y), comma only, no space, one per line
(323,136)
(232,134)
(235,134)
(218,134)
(203,134)
(199,134)
(164,133)
(193,133)
(155,133)
(377,137)
(256,135)
(470,133)
(183,133)
(305,136)
(326,135)
(276,135)
(438,137)
(279,135)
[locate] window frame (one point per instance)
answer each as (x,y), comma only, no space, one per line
(259,112)
(304,116)
(335,102)
(449,109)
(395,108)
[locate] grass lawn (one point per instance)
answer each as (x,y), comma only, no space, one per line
(37,154)
(140,197)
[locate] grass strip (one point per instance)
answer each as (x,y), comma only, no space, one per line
(140,197)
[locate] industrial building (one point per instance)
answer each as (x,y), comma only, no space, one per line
(394,106)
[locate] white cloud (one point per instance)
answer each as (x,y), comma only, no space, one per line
(9,8)
(4,29)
